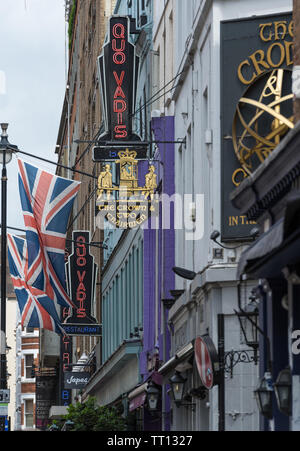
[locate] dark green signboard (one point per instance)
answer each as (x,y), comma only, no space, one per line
(256,103)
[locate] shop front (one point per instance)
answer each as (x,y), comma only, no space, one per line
(271,197)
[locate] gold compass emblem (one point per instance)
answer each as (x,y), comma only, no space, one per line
(263,117)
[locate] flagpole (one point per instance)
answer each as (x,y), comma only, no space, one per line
(3,274)
(6,158)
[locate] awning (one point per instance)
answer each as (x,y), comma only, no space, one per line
(137,397)
(138,401)
(266,243)
(180,361)
(280,243)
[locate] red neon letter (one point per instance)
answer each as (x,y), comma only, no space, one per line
(121,28)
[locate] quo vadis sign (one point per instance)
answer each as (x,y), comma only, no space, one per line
(81,273)
(256,102)
(118,68)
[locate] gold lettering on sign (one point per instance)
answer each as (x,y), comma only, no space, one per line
(127,205)
(235,221)
(261,61)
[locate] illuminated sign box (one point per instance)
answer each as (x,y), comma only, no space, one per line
(83,329)
(81,271)
(118,68)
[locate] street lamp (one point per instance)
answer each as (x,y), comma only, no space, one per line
(263,395)
(6,151)
(152,396)
(177,383)
(248,319)
(283,391)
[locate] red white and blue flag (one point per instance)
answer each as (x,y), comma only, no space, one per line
(46,201)
(36,308)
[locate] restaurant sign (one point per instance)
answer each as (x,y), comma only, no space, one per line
(118,69)
(81,271)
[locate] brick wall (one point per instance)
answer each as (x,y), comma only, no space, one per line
(92,26)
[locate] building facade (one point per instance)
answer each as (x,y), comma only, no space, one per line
(26,361)
(170,298)
(274,264)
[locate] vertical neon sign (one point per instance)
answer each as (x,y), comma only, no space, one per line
(118,68)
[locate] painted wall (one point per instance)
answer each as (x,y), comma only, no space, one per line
(122,300)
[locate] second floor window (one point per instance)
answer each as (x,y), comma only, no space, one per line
(28,365)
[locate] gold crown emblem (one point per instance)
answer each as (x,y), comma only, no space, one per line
(127,155)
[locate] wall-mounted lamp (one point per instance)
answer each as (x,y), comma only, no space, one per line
(253,234)
(248,319)
(184,273)
(177,383)
(153,394)
(283,391)
(263,395)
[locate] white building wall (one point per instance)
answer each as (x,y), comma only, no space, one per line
(197,110)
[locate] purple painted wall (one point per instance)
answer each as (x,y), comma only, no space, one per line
(159,267)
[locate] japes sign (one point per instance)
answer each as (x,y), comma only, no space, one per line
(256,103)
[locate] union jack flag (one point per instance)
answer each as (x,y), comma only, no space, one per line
(46,201)
(36,308)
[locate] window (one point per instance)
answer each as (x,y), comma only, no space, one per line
(28,365)
(29,330)
(28,413)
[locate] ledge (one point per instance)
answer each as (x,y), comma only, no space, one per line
(215,274)
(271,180)
(128,350)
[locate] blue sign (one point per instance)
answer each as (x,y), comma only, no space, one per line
(83,329)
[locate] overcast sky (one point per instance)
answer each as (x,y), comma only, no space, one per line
(32,83)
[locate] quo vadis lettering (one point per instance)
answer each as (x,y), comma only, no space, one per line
(118,77)
(279,53)
(81,289)
(120,104)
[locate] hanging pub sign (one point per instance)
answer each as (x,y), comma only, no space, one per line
(207,361)
(256,103)
(118,72)
(81,273)
(127,205)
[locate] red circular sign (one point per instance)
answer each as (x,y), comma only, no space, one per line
(204,363)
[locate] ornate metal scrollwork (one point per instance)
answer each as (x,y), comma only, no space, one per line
(232,358)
